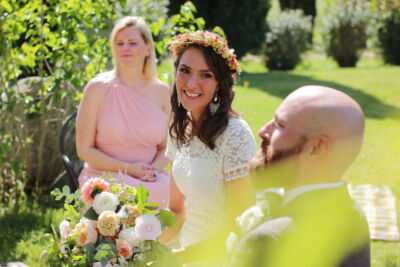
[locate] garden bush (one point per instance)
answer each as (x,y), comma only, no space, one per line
(287,40)
(309,7)
(345,31)
(64,44)
(389,37)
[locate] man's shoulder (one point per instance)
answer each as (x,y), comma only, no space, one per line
(271,229)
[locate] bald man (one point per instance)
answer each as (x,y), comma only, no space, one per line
(315,135)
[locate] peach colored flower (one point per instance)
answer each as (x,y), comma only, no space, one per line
(108,223)
(133,213)
(90,223)
(124,249)
(85,234)
(93,186)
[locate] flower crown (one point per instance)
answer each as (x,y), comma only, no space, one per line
(207,39)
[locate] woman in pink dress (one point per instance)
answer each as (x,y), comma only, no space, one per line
(123,116)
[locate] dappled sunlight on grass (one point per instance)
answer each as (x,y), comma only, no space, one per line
(375,86)
(22,235)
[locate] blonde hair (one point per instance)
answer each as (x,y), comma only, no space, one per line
(150,65)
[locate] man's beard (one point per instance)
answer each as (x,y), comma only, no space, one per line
(280,166)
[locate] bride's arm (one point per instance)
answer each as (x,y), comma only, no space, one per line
(176,205)
(240,196)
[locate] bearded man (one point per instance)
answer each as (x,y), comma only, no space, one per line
(315,135)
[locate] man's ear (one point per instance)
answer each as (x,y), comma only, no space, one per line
(320,146)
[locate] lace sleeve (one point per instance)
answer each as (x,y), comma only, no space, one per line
(171,149)
(239,149)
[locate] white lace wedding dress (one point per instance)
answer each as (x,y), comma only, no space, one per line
(200,174)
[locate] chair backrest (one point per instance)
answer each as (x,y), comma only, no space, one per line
(73,164)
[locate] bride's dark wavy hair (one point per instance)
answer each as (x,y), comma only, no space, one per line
(210,126)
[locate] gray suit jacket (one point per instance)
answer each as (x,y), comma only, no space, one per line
(321,228)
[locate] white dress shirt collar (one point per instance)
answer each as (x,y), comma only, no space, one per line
(295,192)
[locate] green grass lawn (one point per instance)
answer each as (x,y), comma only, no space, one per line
(374,86)
(259,92)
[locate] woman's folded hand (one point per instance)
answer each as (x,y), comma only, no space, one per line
(142,171)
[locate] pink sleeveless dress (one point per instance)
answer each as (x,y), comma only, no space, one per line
(129,128)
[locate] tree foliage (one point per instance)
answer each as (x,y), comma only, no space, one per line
(244,22)
(57,46)
(308,7)
(389,37)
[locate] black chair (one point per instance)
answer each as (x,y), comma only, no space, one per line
(73,164)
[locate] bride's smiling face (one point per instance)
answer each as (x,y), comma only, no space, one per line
(195,83)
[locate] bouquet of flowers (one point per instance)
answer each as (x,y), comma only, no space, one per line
(118,228)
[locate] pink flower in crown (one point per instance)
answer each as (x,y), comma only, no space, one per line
(207,39)
(92,187)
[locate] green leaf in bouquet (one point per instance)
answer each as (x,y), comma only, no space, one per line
(70,213)
(167,217)
(130,191)
(66,190)
(57,194)
(71,242)
(105,252)
(110,244)
(90,251)
(152,206)
(161,256)
(69,199)
(102,254)
(114,188)
(91,214)
(141,196)
(54,232)
(138,260)
(77,257)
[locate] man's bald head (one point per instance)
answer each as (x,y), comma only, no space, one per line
(323,110)
(321,125)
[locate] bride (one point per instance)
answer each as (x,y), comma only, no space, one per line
(209,145)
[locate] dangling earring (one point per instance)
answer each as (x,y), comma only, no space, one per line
(179,102)
(214,105)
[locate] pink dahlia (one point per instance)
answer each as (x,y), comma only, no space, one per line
(92,187)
